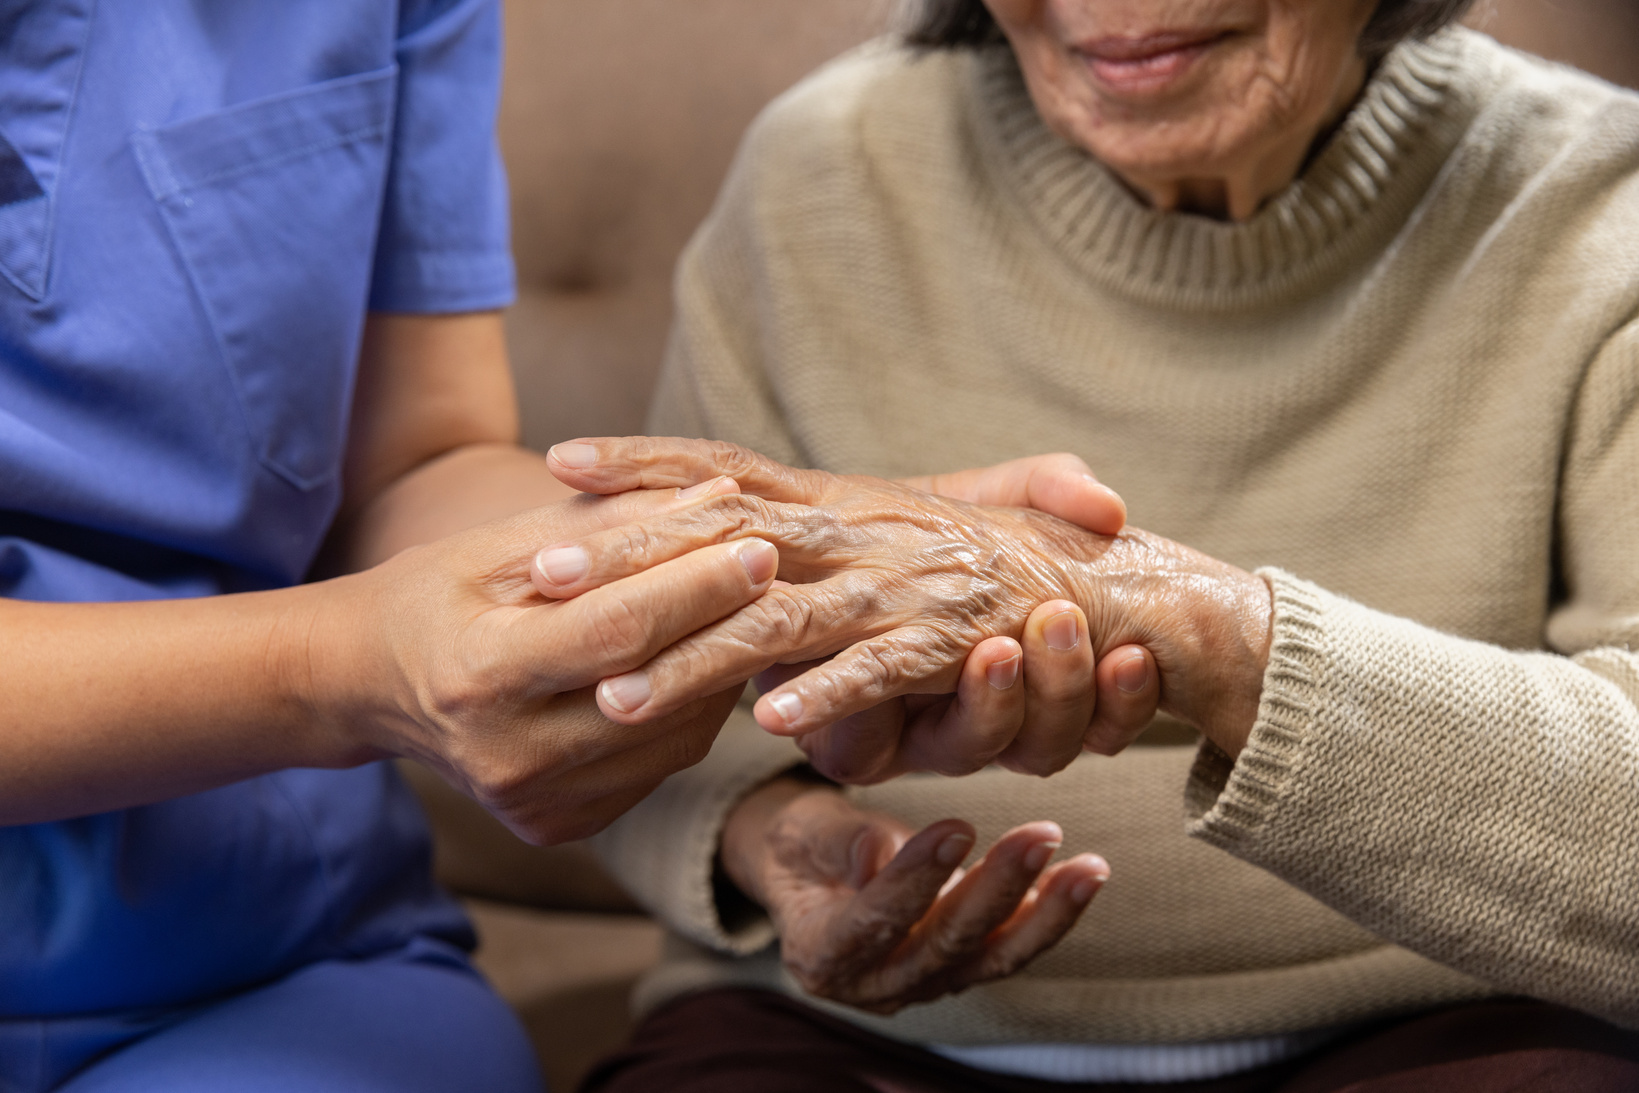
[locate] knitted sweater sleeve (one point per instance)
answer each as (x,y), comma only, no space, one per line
(1475,804)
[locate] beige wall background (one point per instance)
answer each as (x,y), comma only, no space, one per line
(619,119)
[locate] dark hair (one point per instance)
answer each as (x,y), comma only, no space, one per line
(956,24)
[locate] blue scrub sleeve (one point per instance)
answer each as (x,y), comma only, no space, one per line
(444,244)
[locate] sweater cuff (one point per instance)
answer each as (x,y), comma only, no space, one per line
(1226,800)
(664,851)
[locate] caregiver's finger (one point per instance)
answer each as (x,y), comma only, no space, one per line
(613,629)
(567,569)
(982,720)
(613,464)
(1058,676)
(1129,692)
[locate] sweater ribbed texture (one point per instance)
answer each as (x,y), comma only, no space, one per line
(1408,388)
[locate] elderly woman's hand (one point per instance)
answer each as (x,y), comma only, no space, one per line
(868,913)
(900,584)
(1018,703)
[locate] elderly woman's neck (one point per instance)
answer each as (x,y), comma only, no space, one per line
(1237,189)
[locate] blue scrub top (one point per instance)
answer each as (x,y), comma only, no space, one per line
(198,202)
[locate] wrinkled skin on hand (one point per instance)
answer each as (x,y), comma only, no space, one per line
(874,916)
(895,585)
(492,685)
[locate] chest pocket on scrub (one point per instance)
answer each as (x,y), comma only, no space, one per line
(273,206)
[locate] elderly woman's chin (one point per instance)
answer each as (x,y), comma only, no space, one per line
(1206,106)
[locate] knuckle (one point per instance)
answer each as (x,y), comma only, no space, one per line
(960,765)
(876,930)
(616,630)
(782,616)
(1103,740)
(685,747)
(731,459)
(886,662)
(499,784)
(954,943)
(468,685)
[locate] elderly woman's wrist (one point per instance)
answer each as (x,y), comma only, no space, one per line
(743,850)
(1207,623)
(1237,624)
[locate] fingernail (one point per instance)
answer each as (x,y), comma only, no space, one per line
(1084,889)
(953,849)
(787,705)
(626,693)
(1132,674)
(1037,857)
(761,561)
(563,565)
(1063,632)
(699,489)
(1003,674)
(578,456)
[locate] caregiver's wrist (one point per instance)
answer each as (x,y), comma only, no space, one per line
(335,669)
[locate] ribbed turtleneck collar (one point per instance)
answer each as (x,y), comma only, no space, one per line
(1350,199)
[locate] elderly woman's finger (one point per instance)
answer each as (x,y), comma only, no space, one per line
(1060,484)
(960,923)
(907,660)
(858,750)
(623,508)
(790,623)
(615,464)
(1129,692)
(882,914)
(965,734)
(1058,676)
(1044,917)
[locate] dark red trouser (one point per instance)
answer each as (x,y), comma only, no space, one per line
(745,1041)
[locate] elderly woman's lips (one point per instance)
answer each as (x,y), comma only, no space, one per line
(1144,64)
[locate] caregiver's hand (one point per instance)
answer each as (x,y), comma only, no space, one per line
(448,654)
(861,903)
(901,584)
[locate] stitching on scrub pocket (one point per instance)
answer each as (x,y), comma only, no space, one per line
(273,206)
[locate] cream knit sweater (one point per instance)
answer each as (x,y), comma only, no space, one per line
(1411,381)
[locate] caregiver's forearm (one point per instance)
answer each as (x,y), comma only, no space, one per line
(105,706)
(433,442)
(471,485)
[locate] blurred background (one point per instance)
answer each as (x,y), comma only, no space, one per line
(618,121)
